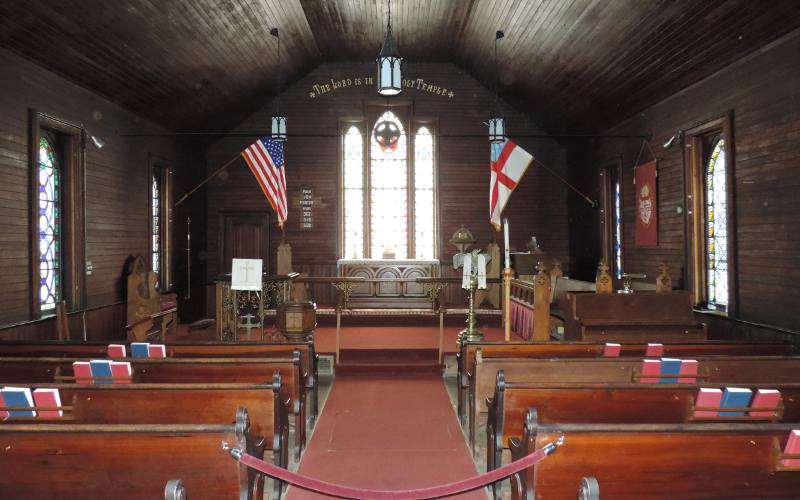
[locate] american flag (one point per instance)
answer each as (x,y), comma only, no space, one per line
(508,165)
(265,159)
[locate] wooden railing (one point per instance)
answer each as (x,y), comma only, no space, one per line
(529,308)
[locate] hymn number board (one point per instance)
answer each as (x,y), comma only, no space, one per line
(306,203)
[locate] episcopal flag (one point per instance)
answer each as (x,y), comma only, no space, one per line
(644,177)
(509,163)
(265,159)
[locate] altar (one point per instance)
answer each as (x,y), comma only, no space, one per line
(401,290)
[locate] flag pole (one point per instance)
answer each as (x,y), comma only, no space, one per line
(205,181)
(590,201)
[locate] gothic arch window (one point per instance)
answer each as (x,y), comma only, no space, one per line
(709,160)
(388,178)
(716,226)
(49,224)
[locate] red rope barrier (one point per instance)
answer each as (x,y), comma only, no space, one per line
(445,490)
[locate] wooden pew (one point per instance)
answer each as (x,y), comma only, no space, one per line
(204,404)
(607,403)
(656,461)
(752,370)
(21,370)
(97,350)
(466,357)
(45,461)
(634,317)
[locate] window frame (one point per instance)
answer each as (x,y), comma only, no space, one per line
(161,168)
(411,125)
(696,151)
(71,145)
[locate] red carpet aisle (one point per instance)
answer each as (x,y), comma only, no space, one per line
(388,434)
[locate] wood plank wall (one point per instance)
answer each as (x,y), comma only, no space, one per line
(117,189)
(537,208)
(763,91)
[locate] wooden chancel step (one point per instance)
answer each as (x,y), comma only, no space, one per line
(404,362)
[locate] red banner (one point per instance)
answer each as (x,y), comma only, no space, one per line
(644,179)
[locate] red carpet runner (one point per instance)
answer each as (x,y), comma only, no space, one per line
(387,434)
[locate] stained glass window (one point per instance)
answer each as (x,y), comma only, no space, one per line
(717,227)
(49,225)
(155,222)
(618,230)
(388,211)
(353,182)
(423,194)
(388,200)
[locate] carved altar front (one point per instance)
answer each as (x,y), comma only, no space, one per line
(395,292)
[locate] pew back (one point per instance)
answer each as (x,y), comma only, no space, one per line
(44,461)
(646,461)
(605,403)
(466,356)
(630,317)
(173,404)
(712,369)
(19,370)
(308,356)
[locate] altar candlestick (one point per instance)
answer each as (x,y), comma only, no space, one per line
(505,239)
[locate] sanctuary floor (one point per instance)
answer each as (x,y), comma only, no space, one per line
(388,433)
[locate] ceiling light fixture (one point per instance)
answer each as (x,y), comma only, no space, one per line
(389,62)
(497,124)
(278,119)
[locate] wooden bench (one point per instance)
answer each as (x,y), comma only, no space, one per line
(466,357)
(204,404)
(19,370)
(656,461)
(45,461)
(607,403)
(630,317)
(308,356)
(711,369)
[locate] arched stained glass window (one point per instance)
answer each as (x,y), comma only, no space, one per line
(49,226)
(155,223)
(388,181)
(717,227)
(388,174)
(423,194)
(353,183)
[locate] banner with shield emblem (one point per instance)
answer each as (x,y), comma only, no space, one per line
(644,179)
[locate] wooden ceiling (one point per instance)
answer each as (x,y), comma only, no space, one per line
(573,65)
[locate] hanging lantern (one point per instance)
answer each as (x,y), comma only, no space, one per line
(497,124)
(278,119)
(387,135)
(278,128)
(389,62)
(497,128)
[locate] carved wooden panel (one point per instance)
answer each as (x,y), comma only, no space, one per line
(393,294)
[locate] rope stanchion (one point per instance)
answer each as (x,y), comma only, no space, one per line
(444,490)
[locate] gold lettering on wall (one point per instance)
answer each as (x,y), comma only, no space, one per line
(322,88)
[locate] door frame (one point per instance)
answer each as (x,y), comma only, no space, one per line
(265,239)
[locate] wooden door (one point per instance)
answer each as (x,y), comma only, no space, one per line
(245,235)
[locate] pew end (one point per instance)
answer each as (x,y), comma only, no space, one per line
(174,490)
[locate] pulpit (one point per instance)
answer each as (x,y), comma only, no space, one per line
(238,310)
